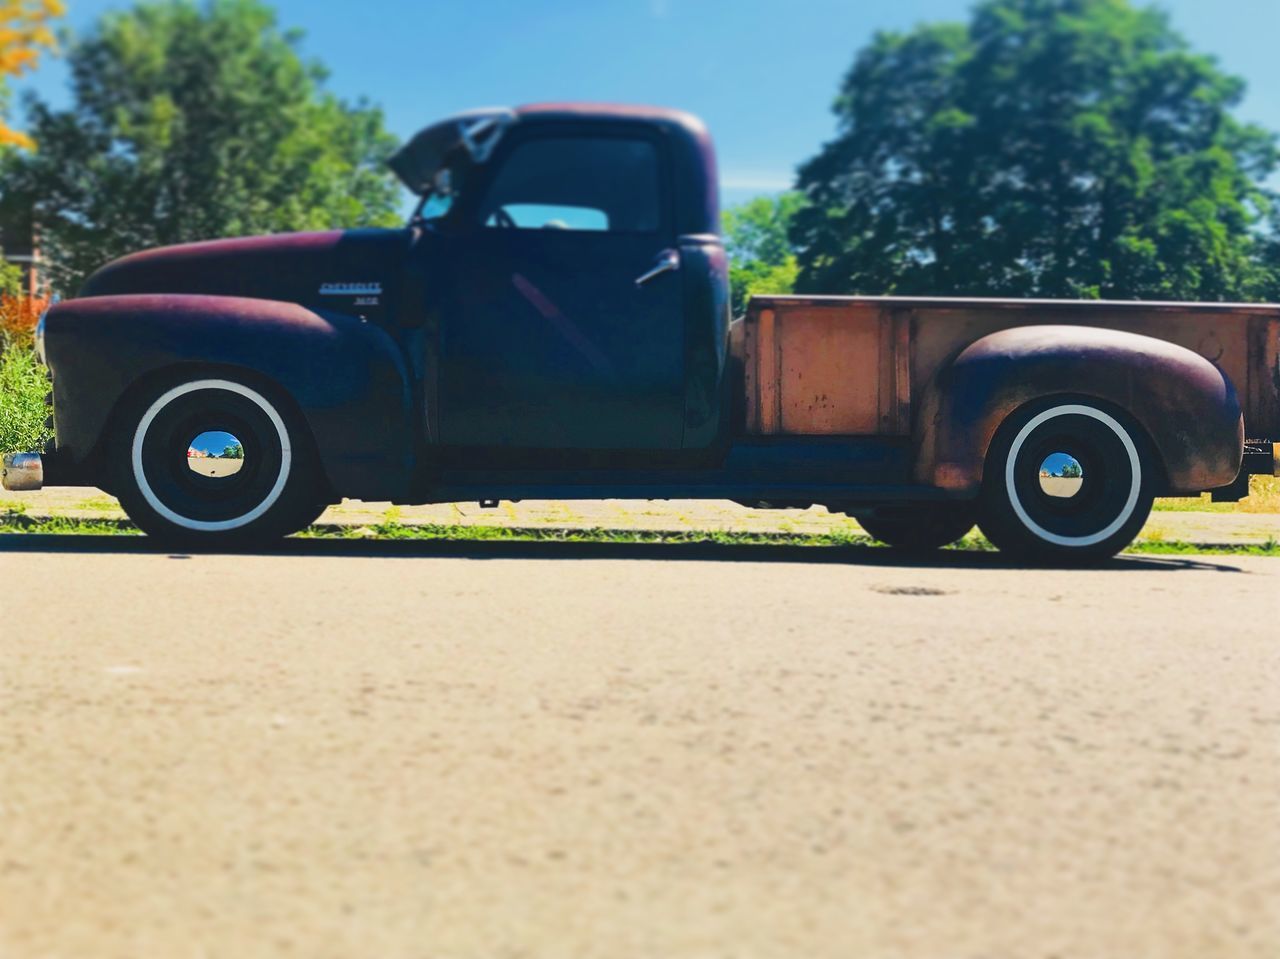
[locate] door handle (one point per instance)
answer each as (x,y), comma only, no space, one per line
(668,261)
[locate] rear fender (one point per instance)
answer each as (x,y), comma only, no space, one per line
(346,377)
(1187,406)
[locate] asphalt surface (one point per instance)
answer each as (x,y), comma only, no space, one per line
(539,750)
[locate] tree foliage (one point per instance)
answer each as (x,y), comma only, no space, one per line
(190,122)
(1072,148)
(10,278)
(761,258)
(25,33)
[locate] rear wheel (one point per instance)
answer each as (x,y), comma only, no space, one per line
(922,528)
(213,463)
(1067,481)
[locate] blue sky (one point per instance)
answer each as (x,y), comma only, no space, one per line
(762,73)
(213,443)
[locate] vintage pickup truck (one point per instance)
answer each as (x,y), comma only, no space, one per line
(553,322)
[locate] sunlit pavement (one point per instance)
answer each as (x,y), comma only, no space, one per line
(503,749)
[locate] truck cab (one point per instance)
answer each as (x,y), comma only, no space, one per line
(553,322)
(573,287)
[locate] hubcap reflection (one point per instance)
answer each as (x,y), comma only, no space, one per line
(216,455)
(1061,475)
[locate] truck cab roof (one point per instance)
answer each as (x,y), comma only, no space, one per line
(472,137)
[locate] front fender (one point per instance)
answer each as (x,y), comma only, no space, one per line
(1187,406)
(346,376)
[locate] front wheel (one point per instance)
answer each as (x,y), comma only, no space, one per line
(1067,481)
(213,463)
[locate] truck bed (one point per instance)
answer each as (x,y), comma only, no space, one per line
(857,366)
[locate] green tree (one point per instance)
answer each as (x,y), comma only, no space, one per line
(1269,258)
(10,277)
(233,452)
(761,258)
(195,121)
(1072,148)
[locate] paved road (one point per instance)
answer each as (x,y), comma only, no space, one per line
(506,750)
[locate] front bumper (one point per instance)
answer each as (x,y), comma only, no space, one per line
(22,472)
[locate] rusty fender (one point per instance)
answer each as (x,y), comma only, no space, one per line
(1187,406)
(346,377)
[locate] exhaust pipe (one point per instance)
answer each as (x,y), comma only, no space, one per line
(22,472)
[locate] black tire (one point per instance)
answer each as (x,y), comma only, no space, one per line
(272,493)
(1112,498)
(921,529)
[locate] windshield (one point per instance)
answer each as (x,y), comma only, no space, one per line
(433,206)
(437,201)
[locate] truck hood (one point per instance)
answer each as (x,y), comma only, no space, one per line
(337,270)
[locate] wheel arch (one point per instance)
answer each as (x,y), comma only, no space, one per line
(1187,408)
(344,379)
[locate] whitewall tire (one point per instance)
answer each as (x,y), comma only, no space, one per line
(1067,480)
(212,461)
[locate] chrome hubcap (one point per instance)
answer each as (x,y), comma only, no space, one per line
(216,455)
(1061,475)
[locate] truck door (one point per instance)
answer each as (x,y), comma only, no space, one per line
(546,338)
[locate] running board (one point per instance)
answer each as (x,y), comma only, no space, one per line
(775,493)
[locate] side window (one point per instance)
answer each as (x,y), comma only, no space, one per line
(576,183)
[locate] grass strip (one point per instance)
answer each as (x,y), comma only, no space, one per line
(13,522)
(20,522)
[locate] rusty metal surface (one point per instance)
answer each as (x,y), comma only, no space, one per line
(1243,339)
(327,241)
(892,355)
(814,371)
(1039,306)
(1186,406)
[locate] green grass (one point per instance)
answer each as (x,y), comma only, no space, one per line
(22,391)
(1174,547)
(99,504)
(1264,497)
(12,522)
(17,521)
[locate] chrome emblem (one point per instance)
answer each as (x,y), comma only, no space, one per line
(351,289)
